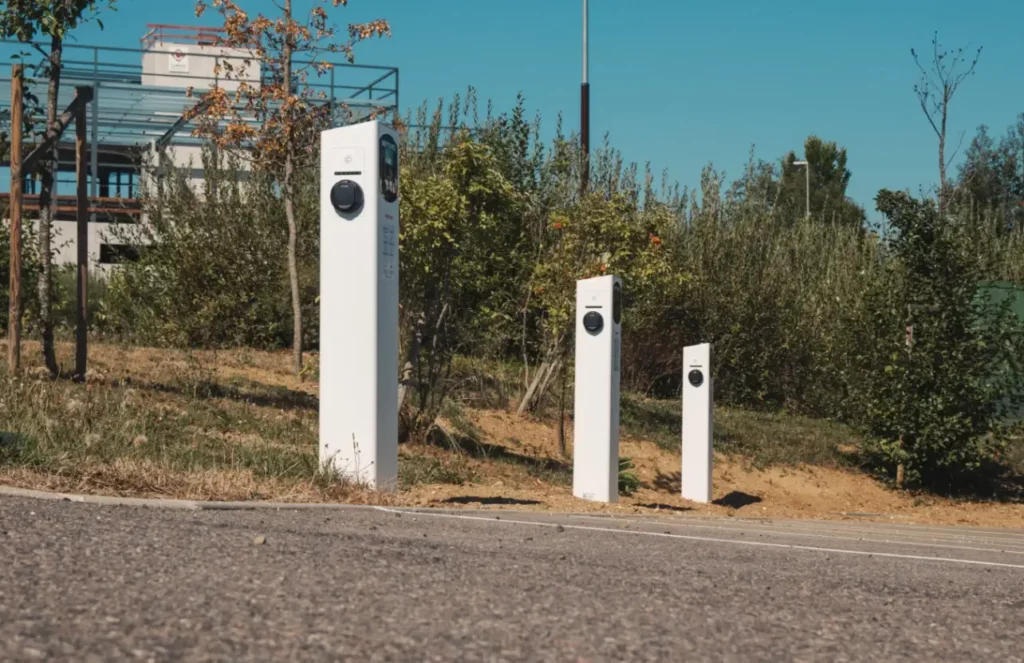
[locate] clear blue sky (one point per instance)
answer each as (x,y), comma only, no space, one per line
(682,83)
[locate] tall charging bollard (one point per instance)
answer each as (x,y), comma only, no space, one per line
(595,473)
(359,303)
(698,422)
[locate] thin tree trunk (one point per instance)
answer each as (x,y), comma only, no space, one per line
(526,353)
(293,269)
(942,150)
(553,369)
(563,448)
(538,386)
(14,292)
(289,210)
(412,359)
(46,214)
(901,468)
(534,386)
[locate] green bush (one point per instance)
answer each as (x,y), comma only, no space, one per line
(939,365)
(30,268)
(212,266)
(629,482)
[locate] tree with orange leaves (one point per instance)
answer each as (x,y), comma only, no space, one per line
(288,112)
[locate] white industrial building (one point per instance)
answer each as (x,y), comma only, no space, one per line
(140,97)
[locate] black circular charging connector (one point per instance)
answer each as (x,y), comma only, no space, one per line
(593,322)
(347,197)
(696,377)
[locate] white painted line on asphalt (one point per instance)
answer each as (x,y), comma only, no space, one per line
(964,537)
(957,530)
(804,534)
(707,539)
(910,527)
(923,531)
(795,528)
(935,530)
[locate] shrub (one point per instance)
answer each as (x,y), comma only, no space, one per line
(938,369)
(629,483)
(211,270)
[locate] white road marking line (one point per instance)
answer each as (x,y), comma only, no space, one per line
(832,526)
(919,532)
(1018,532)
(707,539)
(806,534)
(939,530)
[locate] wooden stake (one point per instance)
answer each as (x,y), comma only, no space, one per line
(82,309)
(14,321)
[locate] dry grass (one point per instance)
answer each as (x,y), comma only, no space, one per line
(238,426)
(202,425)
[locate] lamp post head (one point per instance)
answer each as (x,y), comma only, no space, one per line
(800,163)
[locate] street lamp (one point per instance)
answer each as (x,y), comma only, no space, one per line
(807,170)
(585,101)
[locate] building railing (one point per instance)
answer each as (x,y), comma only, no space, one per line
(110,210)
(340,83)
(182,34)
(125,114)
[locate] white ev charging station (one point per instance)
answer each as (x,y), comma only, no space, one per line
(359,303)
(595,474)
(698,422)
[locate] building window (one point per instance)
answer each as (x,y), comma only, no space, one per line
(113,254)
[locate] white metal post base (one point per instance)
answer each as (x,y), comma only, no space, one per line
(698,422)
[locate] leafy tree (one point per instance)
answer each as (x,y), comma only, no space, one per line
(829,180)
(289,113)
(991,178)
(940,363)
(24,20)
(461,247)
(597,235)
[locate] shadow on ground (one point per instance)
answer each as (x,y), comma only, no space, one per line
(490,501)
(737,500)
(254,393)
(664,507)
(672,483)
(479,449)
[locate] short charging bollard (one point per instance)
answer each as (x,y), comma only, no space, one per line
(698,422)
(359,303)
(595,474)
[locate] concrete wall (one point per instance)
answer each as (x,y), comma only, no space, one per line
(166,64)
(65,244)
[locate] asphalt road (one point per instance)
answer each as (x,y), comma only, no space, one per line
(81,582)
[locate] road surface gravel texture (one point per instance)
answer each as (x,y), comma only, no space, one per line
(85,582)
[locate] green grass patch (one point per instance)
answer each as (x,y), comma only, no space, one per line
(765,439)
